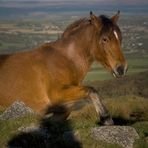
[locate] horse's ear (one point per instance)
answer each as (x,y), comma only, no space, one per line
(94,19)
(115,17)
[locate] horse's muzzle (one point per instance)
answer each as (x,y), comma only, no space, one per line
(119,71)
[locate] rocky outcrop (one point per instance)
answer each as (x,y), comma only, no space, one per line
(122,135)
(17,109)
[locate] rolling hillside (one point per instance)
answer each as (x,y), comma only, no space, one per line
(136,84)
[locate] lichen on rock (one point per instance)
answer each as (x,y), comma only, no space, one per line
(17,109)
(122,135)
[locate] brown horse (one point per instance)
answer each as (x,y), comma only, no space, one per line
(52,74)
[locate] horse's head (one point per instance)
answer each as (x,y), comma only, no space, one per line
(107,44)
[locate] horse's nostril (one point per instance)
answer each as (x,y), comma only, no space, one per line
(120,70)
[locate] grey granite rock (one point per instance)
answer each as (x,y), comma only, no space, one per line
(122,135)
(17,109)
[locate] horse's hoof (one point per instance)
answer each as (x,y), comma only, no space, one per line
(107,120)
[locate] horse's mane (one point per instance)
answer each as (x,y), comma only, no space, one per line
(107,25)
(75,26)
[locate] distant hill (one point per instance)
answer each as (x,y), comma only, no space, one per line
(13,7)
(136,84)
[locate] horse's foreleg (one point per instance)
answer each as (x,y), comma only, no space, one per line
(105,116)
(78,92)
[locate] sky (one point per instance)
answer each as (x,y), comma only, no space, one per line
(17,3)
(118,1)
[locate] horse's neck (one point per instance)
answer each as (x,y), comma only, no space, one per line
(80,57)
(78,50)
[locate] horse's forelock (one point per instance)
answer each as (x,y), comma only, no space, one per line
(107,25)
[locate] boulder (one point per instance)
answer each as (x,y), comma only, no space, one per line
(122,135)
(17,109)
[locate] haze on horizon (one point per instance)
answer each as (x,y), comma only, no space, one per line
(131,2)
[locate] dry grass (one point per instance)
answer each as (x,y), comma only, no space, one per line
(87,113)
(128,107)
(125,107)
(136,84)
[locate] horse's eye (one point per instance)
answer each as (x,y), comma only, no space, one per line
(104,40)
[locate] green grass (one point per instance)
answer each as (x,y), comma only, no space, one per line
(138,62)
(98,75)
(97,72)
(142,129)
(9,128)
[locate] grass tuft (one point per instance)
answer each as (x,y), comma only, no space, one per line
(128,107)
